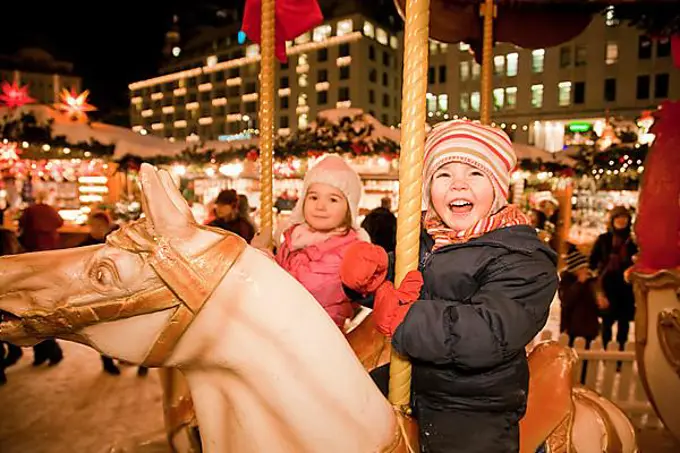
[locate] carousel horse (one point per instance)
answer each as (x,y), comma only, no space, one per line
(166,292)
(656,274)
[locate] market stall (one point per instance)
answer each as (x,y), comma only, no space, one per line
(56,151)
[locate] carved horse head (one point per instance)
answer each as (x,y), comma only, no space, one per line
(162,267)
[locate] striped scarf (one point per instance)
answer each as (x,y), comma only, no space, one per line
(508,216)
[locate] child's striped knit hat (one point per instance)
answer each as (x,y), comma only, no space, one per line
(484,147)
(575,260)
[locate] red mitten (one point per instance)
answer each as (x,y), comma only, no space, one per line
(364,267)
(391,305)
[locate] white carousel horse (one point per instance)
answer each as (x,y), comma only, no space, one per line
(267,368)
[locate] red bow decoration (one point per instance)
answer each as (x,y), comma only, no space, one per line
(293,18)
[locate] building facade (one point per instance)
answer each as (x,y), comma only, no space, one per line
(541,96)
(44,75)
(348,62)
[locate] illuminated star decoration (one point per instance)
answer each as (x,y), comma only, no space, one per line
(9,152)
(14,96)
(75,105)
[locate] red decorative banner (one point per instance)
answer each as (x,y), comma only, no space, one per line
(293,18)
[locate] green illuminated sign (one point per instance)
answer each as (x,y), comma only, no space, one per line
(579,127)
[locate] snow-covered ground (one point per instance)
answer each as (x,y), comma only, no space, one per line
(76,407)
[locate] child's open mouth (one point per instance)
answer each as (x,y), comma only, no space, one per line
(461,206)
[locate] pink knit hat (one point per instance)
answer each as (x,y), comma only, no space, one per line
(336,172)
(486,148)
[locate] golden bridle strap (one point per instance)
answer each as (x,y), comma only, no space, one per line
(188,284)
(191,281)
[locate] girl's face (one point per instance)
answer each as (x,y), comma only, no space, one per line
(325,207)
(461,195)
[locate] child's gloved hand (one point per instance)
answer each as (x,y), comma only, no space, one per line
(364,267)
(391,305)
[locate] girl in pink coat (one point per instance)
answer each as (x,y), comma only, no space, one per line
(324,225)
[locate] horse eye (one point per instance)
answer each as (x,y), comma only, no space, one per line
(103,275)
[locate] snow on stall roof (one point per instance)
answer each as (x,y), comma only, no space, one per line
(126,141)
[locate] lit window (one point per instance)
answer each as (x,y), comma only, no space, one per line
(464,70)
(498,98)
(303,38)
(381,36)
(612,55)
(443,47)
(433,48)
(443,103)
(253,50)
(511,64)
(302,99)
(322,32)
(474,101)
(394,42)
(464,47)
(537,96)
(431,102)
(465,101)
(344,27)
(302,121)
(564,96)
(211,61)
(302,80)
(498,64)
(511,97)
(369,30)
(176,51)
(476,68)
(537,60)
(302,59)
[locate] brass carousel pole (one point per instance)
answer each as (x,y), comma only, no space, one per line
(413,120)
(488,11)
(266,116)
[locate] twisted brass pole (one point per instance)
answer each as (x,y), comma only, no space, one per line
(487,11)
(410,171)
(266,115)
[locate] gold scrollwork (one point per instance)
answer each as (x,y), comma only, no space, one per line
(668,328)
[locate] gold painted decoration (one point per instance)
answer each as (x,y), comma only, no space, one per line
(668,327)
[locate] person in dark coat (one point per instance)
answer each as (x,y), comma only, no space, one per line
(580,308)
(227,216)
(39,225)
(611,255)
(381,226)
(100,226)
(487,284)
(9,353)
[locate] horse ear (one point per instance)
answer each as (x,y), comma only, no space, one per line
(177,199)
(157,202)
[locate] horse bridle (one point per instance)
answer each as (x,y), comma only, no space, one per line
(188,282)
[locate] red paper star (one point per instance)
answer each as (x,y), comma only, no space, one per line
(14,96)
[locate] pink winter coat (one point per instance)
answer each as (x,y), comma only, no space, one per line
(317,267)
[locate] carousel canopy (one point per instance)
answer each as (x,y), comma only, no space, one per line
(551,22)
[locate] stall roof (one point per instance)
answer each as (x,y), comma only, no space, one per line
(126,141)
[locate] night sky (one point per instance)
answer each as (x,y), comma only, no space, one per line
(117,43)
